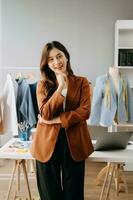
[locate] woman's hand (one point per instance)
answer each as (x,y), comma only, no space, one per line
(62,81)
(55,120)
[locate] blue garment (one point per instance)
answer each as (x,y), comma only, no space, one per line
(33,87)
(25,109)
(103,113)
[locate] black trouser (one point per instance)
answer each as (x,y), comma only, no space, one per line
(61,178)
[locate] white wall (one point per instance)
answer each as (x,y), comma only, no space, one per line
(0,45)
(86,27)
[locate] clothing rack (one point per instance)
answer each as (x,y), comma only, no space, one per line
(15,70)
(19,68)
(31,79)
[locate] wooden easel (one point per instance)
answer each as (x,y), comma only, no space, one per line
(112,170)
(16,170)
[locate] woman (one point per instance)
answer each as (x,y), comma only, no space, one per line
(62,142)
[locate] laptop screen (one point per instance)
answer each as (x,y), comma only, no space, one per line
(112,141)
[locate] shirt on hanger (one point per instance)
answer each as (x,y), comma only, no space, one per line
(9,108)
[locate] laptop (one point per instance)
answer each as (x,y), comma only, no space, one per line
(112,141)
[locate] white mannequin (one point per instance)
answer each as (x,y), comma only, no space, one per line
(114,73)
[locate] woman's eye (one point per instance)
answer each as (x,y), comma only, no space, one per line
(59,56)
(50,59)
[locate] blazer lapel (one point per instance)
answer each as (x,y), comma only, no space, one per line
(121,84)
(112,88)
(120,87)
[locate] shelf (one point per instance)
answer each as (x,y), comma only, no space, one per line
(128,127)
(125,47)
(124,24)
(125,67)
(18,68)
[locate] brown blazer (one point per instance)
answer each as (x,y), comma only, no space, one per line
(73,119)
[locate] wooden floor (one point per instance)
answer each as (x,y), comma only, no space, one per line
(92,191)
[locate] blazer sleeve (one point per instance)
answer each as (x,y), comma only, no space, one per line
(48,108)
(82,112)
(96,103)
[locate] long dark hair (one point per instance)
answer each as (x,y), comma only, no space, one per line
(46,72)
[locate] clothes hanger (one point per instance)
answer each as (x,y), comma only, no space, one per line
(30,77)
(18,75)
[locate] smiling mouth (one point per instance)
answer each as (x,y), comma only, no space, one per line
(59,68)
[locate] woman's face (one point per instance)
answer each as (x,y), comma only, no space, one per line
(57,61)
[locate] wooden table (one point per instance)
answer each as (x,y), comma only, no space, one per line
(115,160)
(20,154)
